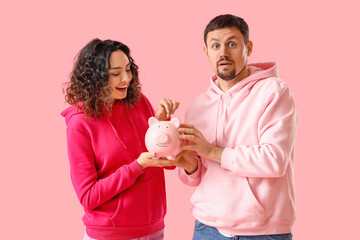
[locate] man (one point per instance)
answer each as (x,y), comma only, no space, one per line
(242,133)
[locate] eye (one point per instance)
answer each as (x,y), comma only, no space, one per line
(215,46)
(128,70)
(115,74)
(232,44)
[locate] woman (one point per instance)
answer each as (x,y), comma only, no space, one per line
(119,184)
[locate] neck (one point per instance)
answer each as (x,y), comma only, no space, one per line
(226,85)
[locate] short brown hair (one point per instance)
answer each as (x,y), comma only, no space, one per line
(228,21)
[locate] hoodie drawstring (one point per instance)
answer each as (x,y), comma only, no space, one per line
(114,130)
(222,117)
(133,125)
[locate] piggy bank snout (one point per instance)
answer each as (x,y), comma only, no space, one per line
(163,138)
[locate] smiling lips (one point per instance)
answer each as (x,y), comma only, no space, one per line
(121,89)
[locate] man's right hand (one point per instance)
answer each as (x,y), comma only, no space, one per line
(187,160)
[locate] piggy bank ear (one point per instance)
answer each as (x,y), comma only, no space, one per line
(152,121)
(176,122)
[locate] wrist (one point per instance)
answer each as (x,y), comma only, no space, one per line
(215,153)
(209,151)
(141,164)
(191,168)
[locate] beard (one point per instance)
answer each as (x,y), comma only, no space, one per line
(226,75)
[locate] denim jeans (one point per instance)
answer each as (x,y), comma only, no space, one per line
(205,232)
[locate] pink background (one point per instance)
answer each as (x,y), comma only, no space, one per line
(316,44)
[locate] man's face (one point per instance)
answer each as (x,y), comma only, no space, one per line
(226,52)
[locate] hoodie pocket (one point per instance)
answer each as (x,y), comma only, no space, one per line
(254,199)
(227,201)
(142,204)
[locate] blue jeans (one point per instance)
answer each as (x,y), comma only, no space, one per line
(205,232)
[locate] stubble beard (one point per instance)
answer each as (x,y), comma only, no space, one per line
(226,75)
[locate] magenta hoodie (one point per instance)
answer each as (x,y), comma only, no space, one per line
(119,198)
(252,191)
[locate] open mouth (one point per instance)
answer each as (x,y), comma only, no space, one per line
(121,89)
(161,145)
(224,64)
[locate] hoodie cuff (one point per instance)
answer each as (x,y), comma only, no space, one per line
(134,169)
(192,179)
(227,159)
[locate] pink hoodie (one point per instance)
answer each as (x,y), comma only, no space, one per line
(252,191)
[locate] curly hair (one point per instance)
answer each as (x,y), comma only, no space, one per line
(88,87)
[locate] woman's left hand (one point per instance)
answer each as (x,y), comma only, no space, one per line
(166,108)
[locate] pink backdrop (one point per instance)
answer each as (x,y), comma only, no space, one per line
(315,42)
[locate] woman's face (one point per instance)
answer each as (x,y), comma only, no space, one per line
(119,74)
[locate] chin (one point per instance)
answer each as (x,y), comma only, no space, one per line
(119,97)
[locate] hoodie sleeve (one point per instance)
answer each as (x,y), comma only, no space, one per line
(276,133)
(195,178)
(92,191)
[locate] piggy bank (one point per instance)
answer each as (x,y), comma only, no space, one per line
(162,138)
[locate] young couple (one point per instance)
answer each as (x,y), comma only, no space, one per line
(240,155)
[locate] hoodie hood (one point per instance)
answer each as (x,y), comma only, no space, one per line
(69,112)
(258,71)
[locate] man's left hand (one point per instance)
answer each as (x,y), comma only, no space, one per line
(199,143)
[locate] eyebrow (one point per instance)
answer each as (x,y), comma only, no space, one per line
(229,38)
(120,67)
(232,37)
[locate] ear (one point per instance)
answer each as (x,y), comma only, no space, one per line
(176,122)
(249,47)
(152,121)
(206,52)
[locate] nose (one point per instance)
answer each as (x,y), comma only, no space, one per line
(223,51)
(125,77)
(163,138)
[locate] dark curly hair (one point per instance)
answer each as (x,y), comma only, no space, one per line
(88,87)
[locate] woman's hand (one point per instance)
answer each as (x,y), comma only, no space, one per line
(146,159)
(166,108)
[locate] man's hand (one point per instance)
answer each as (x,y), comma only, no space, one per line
(199,143)
(166,108)
(187,161)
